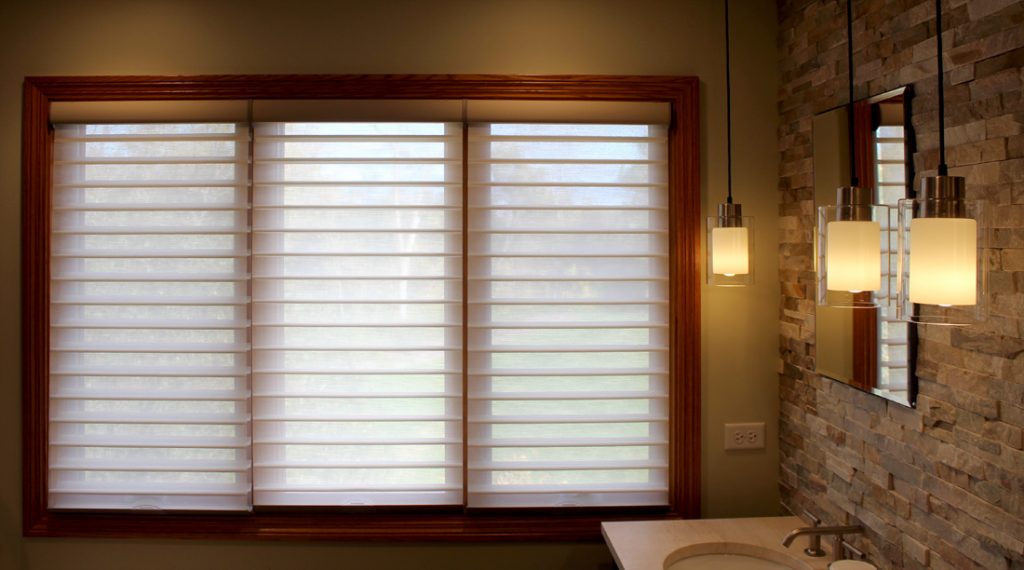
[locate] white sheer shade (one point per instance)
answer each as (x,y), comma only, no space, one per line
(357,299)
(313,318)
(149,361)
(568,315)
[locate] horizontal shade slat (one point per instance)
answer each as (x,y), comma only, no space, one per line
(151,442)
(374,488)
(179,395)
(150,207)
(360,348)
(196,324)
(562,466)
(363,160)
(565,255)
(568,348)
(356,465)
(343,255)
(150,254)
(489,443)
(567,419)
(146,160)
(566,372)
(162,490)
(128,277)
(148,230)
(526,490)
(151,465)
(178,419)
(493,325)
(560,302)
(149,183)
(259,394)
(625,231)
(150,371)
(327,443)
(129,301)
(569,396)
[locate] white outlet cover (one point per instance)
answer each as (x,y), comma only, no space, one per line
(744,436)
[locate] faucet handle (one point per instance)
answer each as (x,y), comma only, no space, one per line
(815,521)
(846,550)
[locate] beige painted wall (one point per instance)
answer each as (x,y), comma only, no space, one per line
(668,37)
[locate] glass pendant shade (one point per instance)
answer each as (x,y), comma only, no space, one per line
(853,251)
(942,277)
(730,250)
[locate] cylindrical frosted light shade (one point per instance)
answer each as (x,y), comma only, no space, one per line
(729,251)
(944,260)
(943,278)
(853,250)
(730,247)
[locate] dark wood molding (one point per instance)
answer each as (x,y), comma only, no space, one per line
(568,87)
(36,152)
(318,524)
(314,524)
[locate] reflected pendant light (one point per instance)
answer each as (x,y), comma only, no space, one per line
(942,273)
(852,235)
(730,237)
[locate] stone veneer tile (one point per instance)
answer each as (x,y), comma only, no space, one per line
(942,485)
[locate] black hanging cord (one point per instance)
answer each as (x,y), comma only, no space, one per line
(850,123)
(728,104)
(943,170)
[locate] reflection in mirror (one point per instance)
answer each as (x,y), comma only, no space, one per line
(867,348)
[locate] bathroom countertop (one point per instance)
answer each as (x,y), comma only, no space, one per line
(646,545)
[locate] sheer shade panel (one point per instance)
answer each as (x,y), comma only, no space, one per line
(890,174)
(344,333)
(358,313)
(149,356)
(567,315)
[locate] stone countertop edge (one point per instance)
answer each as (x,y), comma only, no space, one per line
(647,545)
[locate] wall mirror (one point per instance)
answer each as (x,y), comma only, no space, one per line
(867,348)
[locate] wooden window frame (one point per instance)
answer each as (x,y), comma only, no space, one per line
(415,524)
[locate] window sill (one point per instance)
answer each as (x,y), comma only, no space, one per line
(362,526)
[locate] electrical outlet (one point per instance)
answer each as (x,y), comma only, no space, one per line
(744,436)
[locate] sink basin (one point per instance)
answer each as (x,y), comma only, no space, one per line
(719,544)
(725,562)
(731,556)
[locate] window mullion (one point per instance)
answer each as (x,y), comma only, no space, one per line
(465,309)
(249,285)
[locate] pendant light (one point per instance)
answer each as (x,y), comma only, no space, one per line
(730,238)
(942,269)
(852,248)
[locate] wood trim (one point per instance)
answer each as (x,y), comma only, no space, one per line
(865,347)
(685,232)
(37,153)
(550,87)
(310,524)
(314,524)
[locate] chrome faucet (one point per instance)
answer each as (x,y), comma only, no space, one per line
(815,532)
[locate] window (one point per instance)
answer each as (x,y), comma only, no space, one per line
(473,314)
